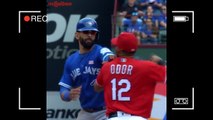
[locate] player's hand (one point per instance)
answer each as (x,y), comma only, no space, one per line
(75,93)
(155,58)
(110,58)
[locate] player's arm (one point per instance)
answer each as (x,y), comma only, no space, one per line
(162,66)
(158,73)
(65,83)
(106,55)
(97,87)
(65,93)
(157,59)
(68,95)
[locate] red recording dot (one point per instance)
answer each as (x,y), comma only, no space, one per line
(26,18)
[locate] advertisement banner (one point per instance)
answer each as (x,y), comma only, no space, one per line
(60,110)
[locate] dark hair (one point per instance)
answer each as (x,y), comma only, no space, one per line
(128,53)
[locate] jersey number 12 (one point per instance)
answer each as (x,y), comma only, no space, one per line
(118,96)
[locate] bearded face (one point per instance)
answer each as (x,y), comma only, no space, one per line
(86,43)
(86,38)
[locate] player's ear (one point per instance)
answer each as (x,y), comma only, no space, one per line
(77,35)
(117,49)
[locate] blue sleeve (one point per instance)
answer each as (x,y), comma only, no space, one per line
(66,80)
(65,92)
(164,117)
(105,53)
(158,1)
(142,1)
(125,22)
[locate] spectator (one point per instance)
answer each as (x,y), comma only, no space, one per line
(163,18)
(156,4)
(150,15)
(133,25)
(130,7)
(149,33)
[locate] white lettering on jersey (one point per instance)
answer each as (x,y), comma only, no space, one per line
(91,70)
(93,82)
(88,70)
(75,73)
(121,69)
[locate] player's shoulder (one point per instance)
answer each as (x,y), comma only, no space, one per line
(147,63)
(72,55)
(96,48)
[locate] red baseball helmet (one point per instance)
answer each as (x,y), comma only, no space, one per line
(126,41)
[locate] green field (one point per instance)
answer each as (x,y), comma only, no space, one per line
(144,53)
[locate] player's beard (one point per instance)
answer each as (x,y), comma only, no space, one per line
(85,44)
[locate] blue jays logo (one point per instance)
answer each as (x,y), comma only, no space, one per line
(88,24)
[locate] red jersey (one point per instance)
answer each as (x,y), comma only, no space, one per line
(129,85)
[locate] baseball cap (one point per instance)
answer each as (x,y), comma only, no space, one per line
(126,41)
(135,14)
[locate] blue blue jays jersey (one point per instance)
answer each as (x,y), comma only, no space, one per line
(82,70)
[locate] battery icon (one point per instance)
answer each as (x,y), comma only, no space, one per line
(180,18)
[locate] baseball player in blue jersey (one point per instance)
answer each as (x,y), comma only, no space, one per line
(81,70)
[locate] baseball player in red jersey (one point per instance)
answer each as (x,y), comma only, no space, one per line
(128,83)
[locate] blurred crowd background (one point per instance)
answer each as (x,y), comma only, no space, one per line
(147,19)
